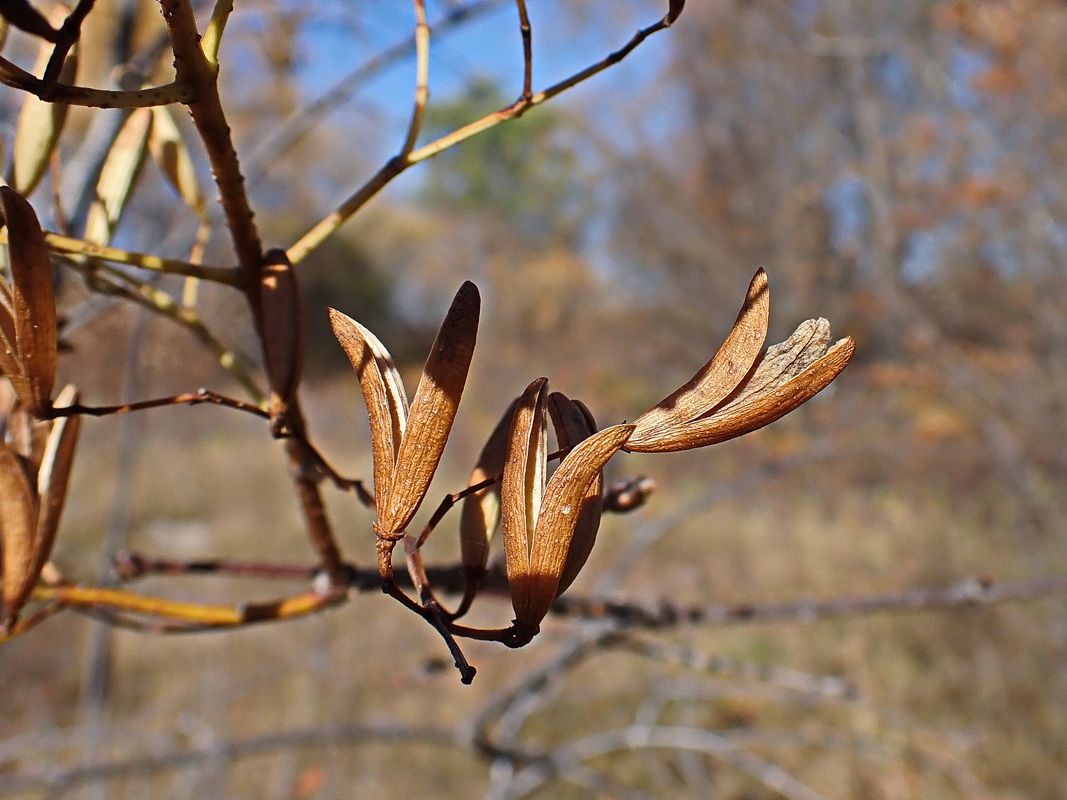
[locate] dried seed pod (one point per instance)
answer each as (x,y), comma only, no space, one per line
(383,392)
(718,377)
(9,360)
(408,443)
(784,377)
(53,475)
(772,403)
(18,510)
(574,424)
(433,409)
(32,301)
(480,512)
(284,329)
(523,485)
(562,508)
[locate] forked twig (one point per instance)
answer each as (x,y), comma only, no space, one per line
(422,78)
(527,52)
(69,32)
(189,398)
(396,165)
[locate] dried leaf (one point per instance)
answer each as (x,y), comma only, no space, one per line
(433,410)
(480,513)
(566,500)
(170,151)
(54,473)
(284,327)
(523,483)
(118,176)
(383,392)
(674,10)
(33,300)
(17,535)
(716,379)
(39,127)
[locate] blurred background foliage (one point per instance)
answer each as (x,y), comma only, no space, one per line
(899,168)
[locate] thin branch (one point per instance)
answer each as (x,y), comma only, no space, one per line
(527,51)
(130,566)
(59,779)
(396,165)
(196,69)
(68,246)
(293,128)
(211,616)
(162,303)
(212,40)
(966,593)
(168,94)
(823,686)
(422,78)
(69,32)
(189,398)
(314,510)
(561,760)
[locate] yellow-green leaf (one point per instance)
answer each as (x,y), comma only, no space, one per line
(118,177)
(39,127)
(170,151)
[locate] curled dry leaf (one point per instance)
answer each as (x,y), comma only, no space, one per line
(39,125)
(18,510)
(284,328)
(32,303)
(408,442)
(480,512)
(725,401)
